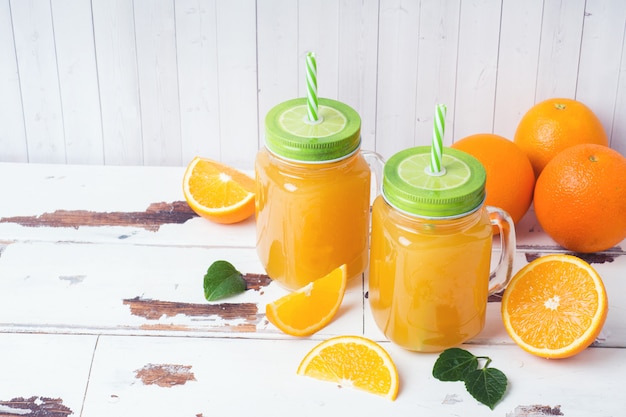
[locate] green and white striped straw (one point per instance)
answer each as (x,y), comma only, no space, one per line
(311,86)
(436,149)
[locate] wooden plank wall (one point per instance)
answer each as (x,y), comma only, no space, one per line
(156,82)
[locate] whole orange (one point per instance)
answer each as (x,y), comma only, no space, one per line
(510,177)
(554,125)
(580,198)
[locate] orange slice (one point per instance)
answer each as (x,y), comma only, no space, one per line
(218,192)
(310,308)
(555,306)
(355,362)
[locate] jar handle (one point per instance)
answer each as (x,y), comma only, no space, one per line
(377,164)
(500,277)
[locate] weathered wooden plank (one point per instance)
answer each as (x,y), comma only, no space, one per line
(155,36)
(78,81)
(520,34)
(436,67)
(477,67)
(139,289)
(237,82)
(618,128)
(559,50)
(277,43)
(116,55)
(206,377)
(357,57)
(152,218)
(44,375)
(397,76)
(196,48)
(39,81)
(115,288)
(140,203)
(602,40)
(46,188)
(12,132)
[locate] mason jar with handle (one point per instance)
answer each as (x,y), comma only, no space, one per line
(431,247)
(313,193)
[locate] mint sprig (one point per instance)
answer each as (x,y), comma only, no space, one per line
(222,280)
(487,385)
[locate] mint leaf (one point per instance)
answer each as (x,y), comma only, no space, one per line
(222,280)
(486,385)
(454,365)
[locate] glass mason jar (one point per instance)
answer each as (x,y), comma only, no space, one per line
(313,193)
(431,246)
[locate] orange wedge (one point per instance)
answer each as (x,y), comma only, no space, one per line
(310,308)
(555,306)
(218,192)
(355,362)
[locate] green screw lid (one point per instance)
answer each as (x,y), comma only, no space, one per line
(409,186)
(290,134)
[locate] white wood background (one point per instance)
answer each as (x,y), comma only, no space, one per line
(156,82)
(76,255)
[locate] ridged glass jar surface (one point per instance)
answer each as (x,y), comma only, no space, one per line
(311,218)
(431,248)
(429,279)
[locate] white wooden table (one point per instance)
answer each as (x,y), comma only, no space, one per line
(102,313)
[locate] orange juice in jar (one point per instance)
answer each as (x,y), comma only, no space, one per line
(313,193)
(431,245)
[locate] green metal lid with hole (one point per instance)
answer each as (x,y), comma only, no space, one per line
(290,134)
(409,186)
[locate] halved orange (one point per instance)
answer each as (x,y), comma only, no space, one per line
(555,306)
(310,308)
(217,191)
(354,362)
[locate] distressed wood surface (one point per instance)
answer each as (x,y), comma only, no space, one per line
(95,262)
(258,377)
(44,375)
